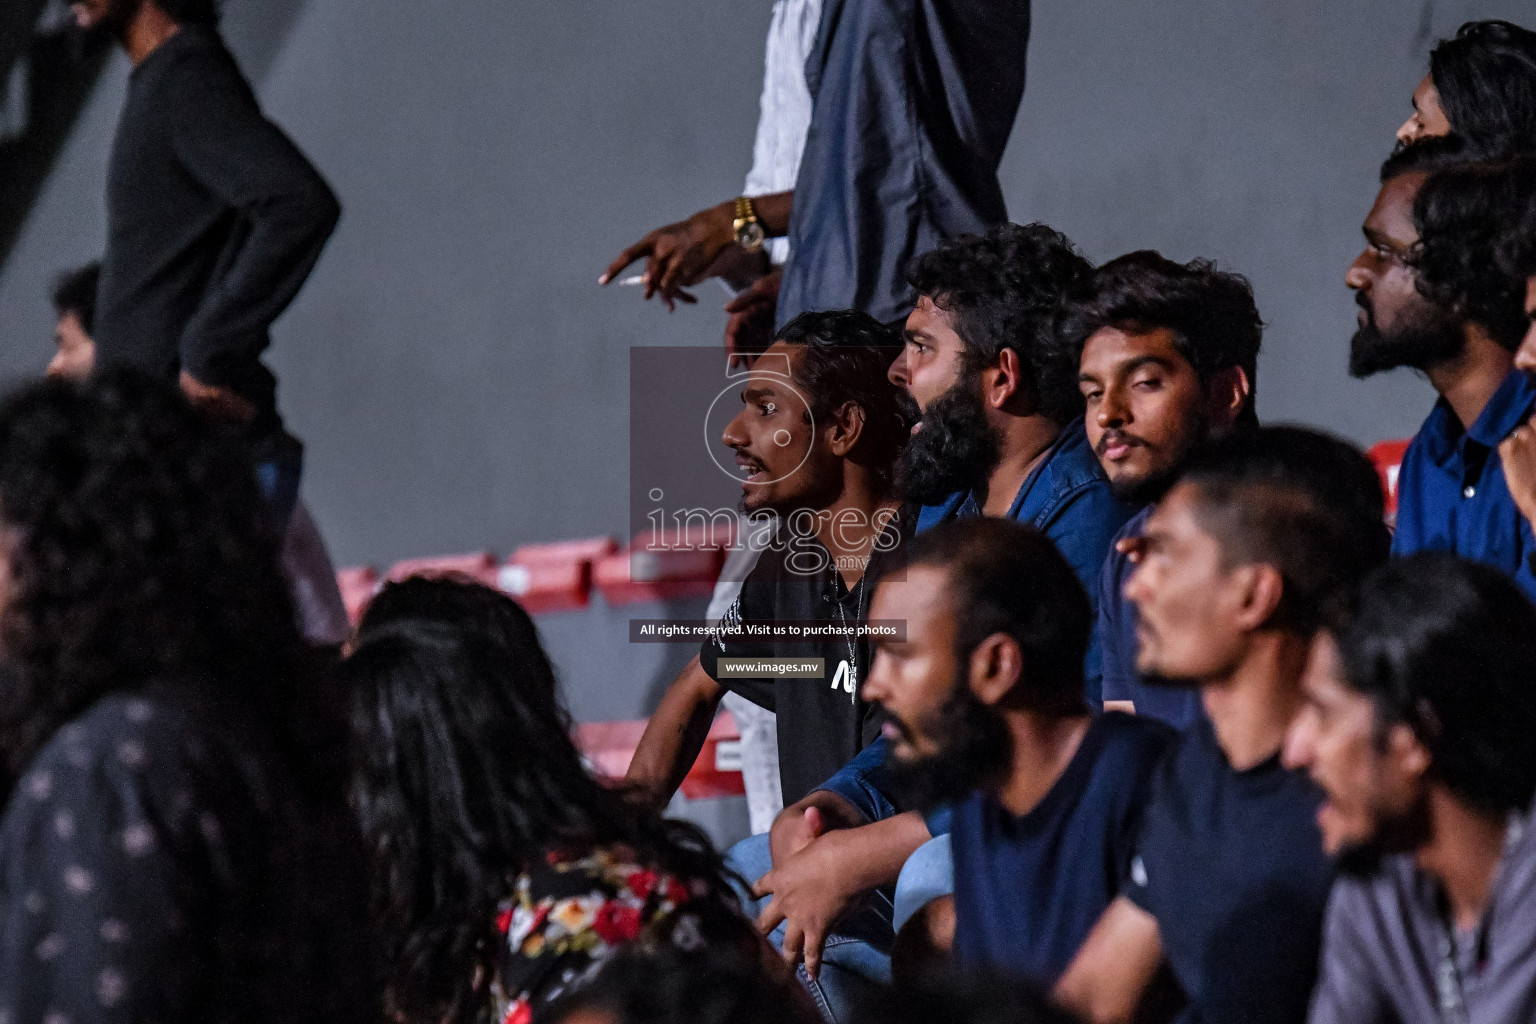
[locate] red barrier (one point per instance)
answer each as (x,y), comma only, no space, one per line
(1388,459)
(609,746)
(553,577)
(357,588)
(668,566)
(478,565)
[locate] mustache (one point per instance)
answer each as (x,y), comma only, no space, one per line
(1113,436)
(903,730)
(1365,303)
(752,460)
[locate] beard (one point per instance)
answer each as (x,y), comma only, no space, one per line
(1147,489)
(1426,340)
(1396,833)
(974,749)
(956,450)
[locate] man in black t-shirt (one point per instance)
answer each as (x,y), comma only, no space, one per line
(214,222)
(1228,880)
(818,436)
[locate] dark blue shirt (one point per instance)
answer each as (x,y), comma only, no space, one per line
(1116,633)
(1029,889)
(1231,864)
(1066,497)
(913,105)
(1451,492)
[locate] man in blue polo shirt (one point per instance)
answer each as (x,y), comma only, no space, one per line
(1431,301)
(1228,883)
(1166,355)
(984,704)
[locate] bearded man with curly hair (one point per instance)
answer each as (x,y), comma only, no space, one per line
(1434,298)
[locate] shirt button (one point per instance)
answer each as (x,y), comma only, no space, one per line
(1468,491)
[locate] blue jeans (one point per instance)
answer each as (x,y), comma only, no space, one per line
(856,959)
(928,874)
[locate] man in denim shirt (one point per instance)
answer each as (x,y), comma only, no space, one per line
(1166,355)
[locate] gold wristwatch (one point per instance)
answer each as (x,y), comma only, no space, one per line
(749,230)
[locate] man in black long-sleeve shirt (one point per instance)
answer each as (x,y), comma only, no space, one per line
(214,221)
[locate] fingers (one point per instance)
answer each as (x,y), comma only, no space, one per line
(764,886)
(772,916)
(815,824)
(794,938)
(652,270)
(811,943)
(750,301)
(628,256)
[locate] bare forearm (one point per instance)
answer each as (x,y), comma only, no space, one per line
(874,853)
(1112,972)
(773,212)
(675,734)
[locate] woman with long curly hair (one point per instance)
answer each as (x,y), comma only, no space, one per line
(503,872)
(176,846)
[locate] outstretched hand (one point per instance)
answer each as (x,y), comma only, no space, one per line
(811,891)
(679,255)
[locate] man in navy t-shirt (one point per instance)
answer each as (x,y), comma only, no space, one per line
(1165,354)
(985,707)
(1228,882)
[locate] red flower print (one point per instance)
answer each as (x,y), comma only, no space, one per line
(616,922)
(641,883)
(504,921)
(519,1012)
(675,891)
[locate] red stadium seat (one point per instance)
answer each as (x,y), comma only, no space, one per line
(1388,459)
(480,565)
(609,746)
(357,586)
(553,577)
(669,566)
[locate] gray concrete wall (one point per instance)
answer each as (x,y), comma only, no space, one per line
(459,378)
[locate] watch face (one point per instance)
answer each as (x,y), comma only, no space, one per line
(750,235)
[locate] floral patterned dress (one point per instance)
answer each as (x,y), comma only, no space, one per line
(567,916)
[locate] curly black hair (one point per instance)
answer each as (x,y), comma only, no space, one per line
(1461,215)
(139,554)
(464,773)
(1002,289)
(1486,78)
(847,357)
(1514,195)
(1212,315)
